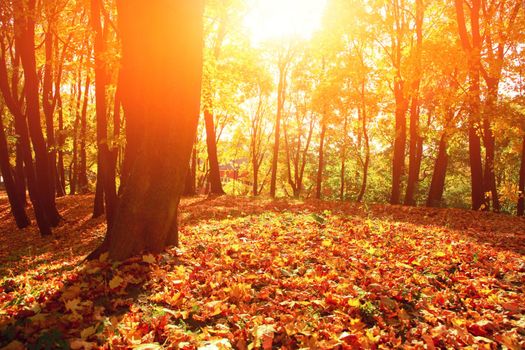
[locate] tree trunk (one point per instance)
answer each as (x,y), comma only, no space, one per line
(61,177)
(48,106)
(211,143)
(437,185)
(161,63)
(398,161)
(366,163)
(281,93)
(415,146)
(473,55)
(489,176)
(320,166)
(106,188)
(521,184)
(15,200)
(189,187)
(343,161)
(25,44)
(81,174)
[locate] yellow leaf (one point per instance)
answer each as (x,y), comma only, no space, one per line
(327,243)
(87,332)
(150,259)
(103,257)
(73,305)
(354,302)
(441,254)
(115,282)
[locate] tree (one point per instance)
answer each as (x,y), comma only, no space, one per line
(105,165)
(161,82)
(472,49)
(415,152)
(15,201)
(286,53)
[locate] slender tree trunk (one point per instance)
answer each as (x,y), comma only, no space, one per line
(19,177)
(343,161)
(366,163)
(106,188)
(521,184)
(437,185)
(211,143)
(473,55)
(25,41)
(15,200)
(398,162)
(48,106)
(61,183)
(415,146)
(189,187)
(168,81)
(489,176)
(281,95)
(81,174)
(320,166)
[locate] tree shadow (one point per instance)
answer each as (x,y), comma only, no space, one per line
(78,308)
(500,231)
(24,250)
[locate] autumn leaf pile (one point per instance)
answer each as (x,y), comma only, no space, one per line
(278,274)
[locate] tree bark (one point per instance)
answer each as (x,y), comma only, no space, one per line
(211,143)
(416,142)
(437,185)
(161,63)
(343,160)
(15,201)
(281,96)
(398,161)
(521,183)
(25,41)
(364,128)
(106,190)
(473,55)
(49,103)
(320,166)
(81,173)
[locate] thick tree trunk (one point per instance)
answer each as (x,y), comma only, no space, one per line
(521,184)
(25,44)
(167,79)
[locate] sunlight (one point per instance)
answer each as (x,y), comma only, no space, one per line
(269,19)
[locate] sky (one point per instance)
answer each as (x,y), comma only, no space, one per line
(273,19)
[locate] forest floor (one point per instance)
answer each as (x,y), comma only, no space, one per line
(270,274)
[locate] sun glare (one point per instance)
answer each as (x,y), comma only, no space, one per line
(271,19)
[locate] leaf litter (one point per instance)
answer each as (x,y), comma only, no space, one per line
(261,274)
